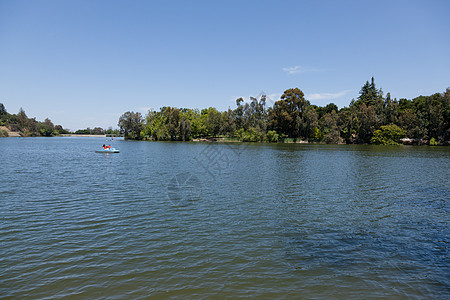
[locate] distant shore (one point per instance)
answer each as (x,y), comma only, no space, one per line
(84,135)
(9,133)
(19,134)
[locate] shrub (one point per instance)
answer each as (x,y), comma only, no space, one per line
(388,135)
(272,136)
(3,133)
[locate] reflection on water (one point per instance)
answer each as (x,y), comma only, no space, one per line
(310,221)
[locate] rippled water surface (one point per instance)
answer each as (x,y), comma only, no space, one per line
(205,220)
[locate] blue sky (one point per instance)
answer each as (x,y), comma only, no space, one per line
(84,63)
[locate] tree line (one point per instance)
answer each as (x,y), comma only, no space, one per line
(371,118)
(26,126)
(98,131)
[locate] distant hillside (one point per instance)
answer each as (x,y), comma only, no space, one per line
(20,125)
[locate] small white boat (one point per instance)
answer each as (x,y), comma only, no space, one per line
(110,150)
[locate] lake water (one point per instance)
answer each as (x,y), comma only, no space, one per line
(200,220)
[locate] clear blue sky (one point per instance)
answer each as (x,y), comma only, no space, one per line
(84,63)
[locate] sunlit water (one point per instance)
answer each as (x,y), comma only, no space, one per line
(205,220)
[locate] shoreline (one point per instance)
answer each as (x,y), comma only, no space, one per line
(82,135)
(9,132)
(18,134)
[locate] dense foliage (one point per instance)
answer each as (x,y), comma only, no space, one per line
(98,131)
(388,135)
(27,126)
(371,118)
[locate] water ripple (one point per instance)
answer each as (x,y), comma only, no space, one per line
(281,221)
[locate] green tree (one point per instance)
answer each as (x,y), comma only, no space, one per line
(405,104)
(250,135)
(155,126)
(3,111)
(172,118)
(370,95)
(22,120)
(388,135)
(367,121)
(409,121)
(433,116)
(97,131)
(213,121)
(49,123)
(433,142)
(329,124)
(60,130)
(239,113)
(252,114)
(228,124)
(33,127)
(445,129)
(423,118)
(287,113)
(311,123)
(321,111)
(130,124)
(185,129)
(272,136)
(45,130)
(198,124)
(391,108)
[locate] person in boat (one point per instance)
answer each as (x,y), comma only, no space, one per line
(109,146)
(104,147)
